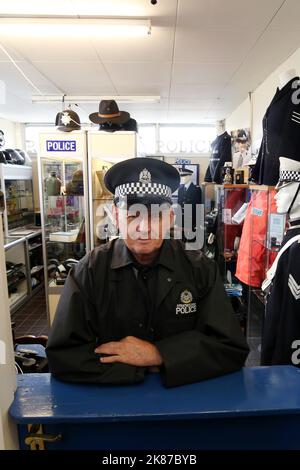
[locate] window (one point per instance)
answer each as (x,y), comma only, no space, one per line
(146,139)
(187,139)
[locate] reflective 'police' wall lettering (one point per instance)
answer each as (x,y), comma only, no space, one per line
(61,145)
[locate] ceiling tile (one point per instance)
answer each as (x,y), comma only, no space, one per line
(202,74)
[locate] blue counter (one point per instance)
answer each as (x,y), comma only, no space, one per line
(255,408)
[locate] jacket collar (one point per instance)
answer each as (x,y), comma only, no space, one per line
(280,92)
(122,256)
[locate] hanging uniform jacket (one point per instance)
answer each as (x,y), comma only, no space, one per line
(281,134)
(254,258)
(281,332)
(191,322)
(193,196)
(220,153)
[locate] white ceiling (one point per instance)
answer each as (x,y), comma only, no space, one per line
(202,58)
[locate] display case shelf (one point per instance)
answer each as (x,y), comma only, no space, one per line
(16,184)
(38,245)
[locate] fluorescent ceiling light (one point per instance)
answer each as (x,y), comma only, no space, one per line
(74,27)
(93,99)
(107,8)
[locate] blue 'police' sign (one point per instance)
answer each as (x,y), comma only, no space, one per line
(61,145)
(181,161)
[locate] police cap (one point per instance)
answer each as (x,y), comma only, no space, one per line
(142,180)
(289,172)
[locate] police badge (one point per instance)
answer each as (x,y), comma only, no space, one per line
(186,297)
(187,305)
(145,176)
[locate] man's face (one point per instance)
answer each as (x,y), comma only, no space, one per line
(144,228)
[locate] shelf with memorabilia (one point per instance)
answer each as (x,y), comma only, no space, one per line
(35,261)
(24,266)
(16,271)
(16,185)
(64,206)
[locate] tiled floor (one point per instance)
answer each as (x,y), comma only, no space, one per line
(31,318)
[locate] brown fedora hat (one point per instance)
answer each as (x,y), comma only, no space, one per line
(109,111)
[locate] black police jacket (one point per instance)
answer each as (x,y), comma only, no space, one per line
(193,325)
(220,153)
(192,196)
(281,133)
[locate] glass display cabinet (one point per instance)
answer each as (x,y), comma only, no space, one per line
(24,267)
(16,271)
(105,149)
(16,184)
(62,165)
(262,236)
(243,234)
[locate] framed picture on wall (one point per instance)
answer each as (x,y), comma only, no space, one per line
(194,167)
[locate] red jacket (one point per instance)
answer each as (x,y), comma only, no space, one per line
(254,258)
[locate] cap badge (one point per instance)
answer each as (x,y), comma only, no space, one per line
(145,176)
(65,119)
(186,297)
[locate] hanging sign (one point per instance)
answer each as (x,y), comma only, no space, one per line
(61,145)
(181,161)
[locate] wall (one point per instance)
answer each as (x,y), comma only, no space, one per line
(240,118)
(13,133)
(262,97)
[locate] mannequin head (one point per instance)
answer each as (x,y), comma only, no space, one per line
(287,187)
(185,176)
(286,76)
(284,199)
(220,126)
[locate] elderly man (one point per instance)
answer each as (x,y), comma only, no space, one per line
(142,302)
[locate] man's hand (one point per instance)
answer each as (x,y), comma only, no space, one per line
(132,351)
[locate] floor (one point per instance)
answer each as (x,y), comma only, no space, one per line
(31,318)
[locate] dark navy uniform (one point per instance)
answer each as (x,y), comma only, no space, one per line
(192,196)
(282,322)
(190,321)
(281,133)
(221,152)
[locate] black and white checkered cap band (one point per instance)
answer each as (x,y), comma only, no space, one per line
(142,189)
(289,175)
